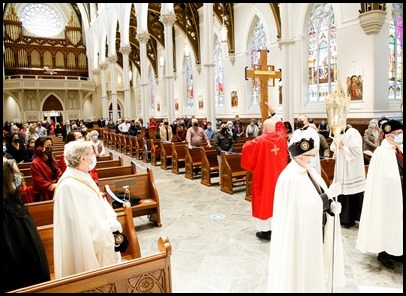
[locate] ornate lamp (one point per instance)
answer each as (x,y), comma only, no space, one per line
(337,109)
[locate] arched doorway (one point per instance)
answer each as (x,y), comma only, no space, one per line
(111,111)
(52,109)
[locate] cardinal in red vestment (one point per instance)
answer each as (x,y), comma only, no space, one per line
(265,156)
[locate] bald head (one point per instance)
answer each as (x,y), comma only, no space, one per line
(269,125)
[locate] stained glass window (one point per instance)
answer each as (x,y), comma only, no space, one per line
(189,83)
(41,20)
(322,50)
(257,42)
(396,52)
(218,74)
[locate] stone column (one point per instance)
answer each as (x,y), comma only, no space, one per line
(145,109)
(127,96)
(105,107)
(168,20)
(208,63)
(113,82)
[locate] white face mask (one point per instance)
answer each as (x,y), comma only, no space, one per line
(313,162)
(398,138)
(92,164)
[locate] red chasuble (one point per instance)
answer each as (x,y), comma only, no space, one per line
(265,156)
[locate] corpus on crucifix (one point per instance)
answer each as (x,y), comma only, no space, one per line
(263,72)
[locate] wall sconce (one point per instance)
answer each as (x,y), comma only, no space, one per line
(187,49)
(223,30)
(161,61)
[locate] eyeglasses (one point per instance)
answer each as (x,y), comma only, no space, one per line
(310,155)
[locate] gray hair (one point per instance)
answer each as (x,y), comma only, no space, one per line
(74,150)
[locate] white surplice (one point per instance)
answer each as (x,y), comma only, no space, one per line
(83,225)
(299,261)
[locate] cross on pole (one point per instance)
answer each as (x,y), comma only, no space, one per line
(264,73)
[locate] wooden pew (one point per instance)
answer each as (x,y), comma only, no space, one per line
(117,171)
(105,157)
(155,145)
(166,155)
(148,274)
(209,166)
(327,169)
(110,163)
(193,161)
(132,146)
(42,212)
(178,157)
(248,186)
(140,185)
(232,174)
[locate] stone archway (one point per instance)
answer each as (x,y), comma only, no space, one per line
(53,109)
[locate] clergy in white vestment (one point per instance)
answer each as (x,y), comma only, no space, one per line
(349,171)
(381,224)
(84,221)
(305,131)
(301,251)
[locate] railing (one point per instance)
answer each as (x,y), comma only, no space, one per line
(28,76)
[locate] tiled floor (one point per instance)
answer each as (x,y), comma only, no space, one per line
(214,247)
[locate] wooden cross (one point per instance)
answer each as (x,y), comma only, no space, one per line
(275,149)
(264,73)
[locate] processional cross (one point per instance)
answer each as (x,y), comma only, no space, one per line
(263,72)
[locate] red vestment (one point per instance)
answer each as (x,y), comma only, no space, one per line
(42,178)
(265,156)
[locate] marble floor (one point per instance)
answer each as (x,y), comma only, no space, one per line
(214,247)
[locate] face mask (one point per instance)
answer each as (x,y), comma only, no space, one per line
(230,126)
(398,138)
(16,140)
(48,151)
(313,162)
(323,122)
(92,164)
(372,125)
(4,149)
(300,124)
(17,181)
(195,124)
(209,127)
(95,138)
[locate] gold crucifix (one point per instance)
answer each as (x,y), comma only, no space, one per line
(264,73)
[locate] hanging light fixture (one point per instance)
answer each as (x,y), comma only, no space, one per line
(187,49)
(223,30)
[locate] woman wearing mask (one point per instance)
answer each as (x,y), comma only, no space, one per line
(84,221)
(209,131)
(24,259)
(15,148)
(30,152)
(45,171)
(181,131)
(372,139)
(97,144)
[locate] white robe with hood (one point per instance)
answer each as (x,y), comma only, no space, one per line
(381,222)
(299,261)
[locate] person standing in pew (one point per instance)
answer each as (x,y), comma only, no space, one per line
(195,135)
(223,141)
(77,136)
(84,221)
(24,258)
(44,170)
(265,156)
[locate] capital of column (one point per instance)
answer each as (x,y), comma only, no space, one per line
(103,66)
(125,50)
(113,59)
(168,19)
(143,37)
